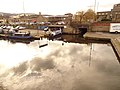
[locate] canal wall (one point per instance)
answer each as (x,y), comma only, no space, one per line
(113,38)
(100,27)
(35,33)
(116,46)
(93,27)
(69,30)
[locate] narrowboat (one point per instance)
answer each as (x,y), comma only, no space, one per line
(20,35)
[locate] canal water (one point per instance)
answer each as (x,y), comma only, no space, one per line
(58,66)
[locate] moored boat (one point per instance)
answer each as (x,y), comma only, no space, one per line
(54,30)
(20,35)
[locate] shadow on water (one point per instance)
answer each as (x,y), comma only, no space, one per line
(26,41)
(64,37)
(77,39)
(20,41)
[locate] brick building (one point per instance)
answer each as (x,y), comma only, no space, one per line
(63,19)
(115,12)
(113,15)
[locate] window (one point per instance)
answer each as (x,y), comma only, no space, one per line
(99,13)
(103,13)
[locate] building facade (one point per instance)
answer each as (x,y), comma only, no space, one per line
(113,15)
(60,19)
(115,12)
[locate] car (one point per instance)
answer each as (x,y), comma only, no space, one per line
(20,27)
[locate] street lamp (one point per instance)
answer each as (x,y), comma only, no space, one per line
(94,9)
(95,6)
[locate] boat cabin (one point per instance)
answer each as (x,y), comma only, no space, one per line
(55,29)
(21,34)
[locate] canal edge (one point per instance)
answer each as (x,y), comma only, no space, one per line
(115,41)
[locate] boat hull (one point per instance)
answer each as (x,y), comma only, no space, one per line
(20,37)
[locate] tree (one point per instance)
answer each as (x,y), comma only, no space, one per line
(87,16)
(79,16)
(7,21)
(90,16)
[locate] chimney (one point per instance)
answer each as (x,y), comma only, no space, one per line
(39,13)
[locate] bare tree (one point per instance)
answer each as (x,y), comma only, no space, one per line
(87,16)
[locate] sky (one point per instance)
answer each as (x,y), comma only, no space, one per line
(55,7)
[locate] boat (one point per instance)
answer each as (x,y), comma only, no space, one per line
(20,35)
(55,30)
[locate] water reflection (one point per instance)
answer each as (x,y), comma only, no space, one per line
(20,41)
(71,66)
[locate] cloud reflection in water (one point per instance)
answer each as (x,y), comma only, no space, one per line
(64,67)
